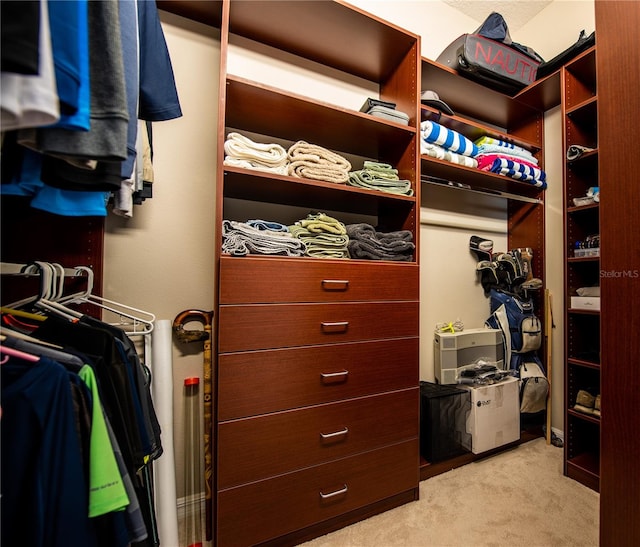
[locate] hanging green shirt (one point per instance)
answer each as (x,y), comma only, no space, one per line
(106,489)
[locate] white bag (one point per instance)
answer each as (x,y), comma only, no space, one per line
(534,387)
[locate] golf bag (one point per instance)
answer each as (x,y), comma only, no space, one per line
(522,337)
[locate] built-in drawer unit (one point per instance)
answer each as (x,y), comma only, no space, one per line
(257,382)
(263,510)
(250,280)
(267,326)
(260,447)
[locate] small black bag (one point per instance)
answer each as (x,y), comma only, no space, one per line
(583,43)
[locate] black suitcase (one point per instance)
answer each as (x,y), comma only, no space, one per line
(490,63)
(583,43)
(489,56)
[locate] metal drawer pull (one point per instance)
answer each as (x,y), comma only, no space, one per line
(330,495)
(335,434)
(335,284)
(334,376)
(336,326)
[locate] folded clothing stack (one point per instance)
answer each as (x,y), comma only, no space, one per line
(380,176)
(312,161)
(508,159)
(322,235)
(259,237)
(446,144)
(384,109)
(366,243)
(241,151)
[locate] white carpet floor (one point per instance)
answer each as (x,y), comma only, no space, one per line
(517,498)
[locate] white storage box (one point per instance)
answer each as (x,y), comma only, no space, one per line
(585,302)
(494,418)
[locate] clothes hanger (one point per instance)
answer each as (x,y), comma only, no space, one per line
(44,272)
(10,333)
(10,352)
(132,320)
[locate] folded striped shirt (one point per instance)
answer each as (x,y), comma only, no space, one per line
(447,138)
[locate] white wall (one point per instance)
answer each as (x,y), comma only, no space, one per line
(162,259)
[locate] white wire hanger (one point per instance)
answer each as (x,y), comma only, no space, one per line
(132,320)
(51,297)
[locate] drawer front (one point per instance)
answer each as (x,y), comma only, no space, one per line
(249,280)
(270,326)
(251,449)
(268,509)
(251,383)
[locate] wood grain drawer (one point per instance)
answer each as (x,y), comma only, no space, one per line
(249,280)
(258,382)
(251,449)
(267,509)
(270,326)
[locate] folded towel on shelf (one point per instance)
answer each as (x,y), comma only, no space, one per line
(380,176)
(435,151)
(260,224)
(515,153)
(447,138)
(485,139)
(312,161)
(488,159)
(366,243)
(323,236)
(513,169)
(241,151)
(240,239)
(317,223)
(577,150)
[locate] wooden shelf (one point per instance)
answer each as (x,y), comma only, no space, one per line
(474,130)
(246,184)
(474,100)
(582,327)
(583,416)
(476,179)
(293,117)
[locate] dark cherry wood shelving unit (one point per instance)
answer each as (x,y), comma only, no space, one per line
(582,327)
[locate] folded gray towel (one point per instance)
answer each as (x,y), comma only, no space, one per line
(240,239)
(366,242)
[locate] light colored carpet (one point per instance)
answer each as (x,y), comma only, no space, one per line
(517,498)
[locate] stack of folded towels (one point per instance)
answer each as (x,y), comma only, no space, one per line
(446,144)
(259,237)
(241,151)
(312,161)
(366,243)
(322,235)
(380,176)
(504,158)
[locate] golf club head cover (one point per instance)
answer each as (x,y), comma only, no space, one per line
(488,271)
(482,248)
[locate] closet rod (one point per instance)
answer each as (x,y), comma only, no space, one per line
(443,183)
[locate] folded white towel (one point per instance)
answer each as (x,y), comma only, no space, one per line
(240,147)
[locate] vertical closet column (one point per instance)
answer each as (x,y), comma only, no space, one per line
(317,352)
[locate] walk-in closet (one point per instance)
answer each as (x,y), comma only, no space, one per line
(233,242)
